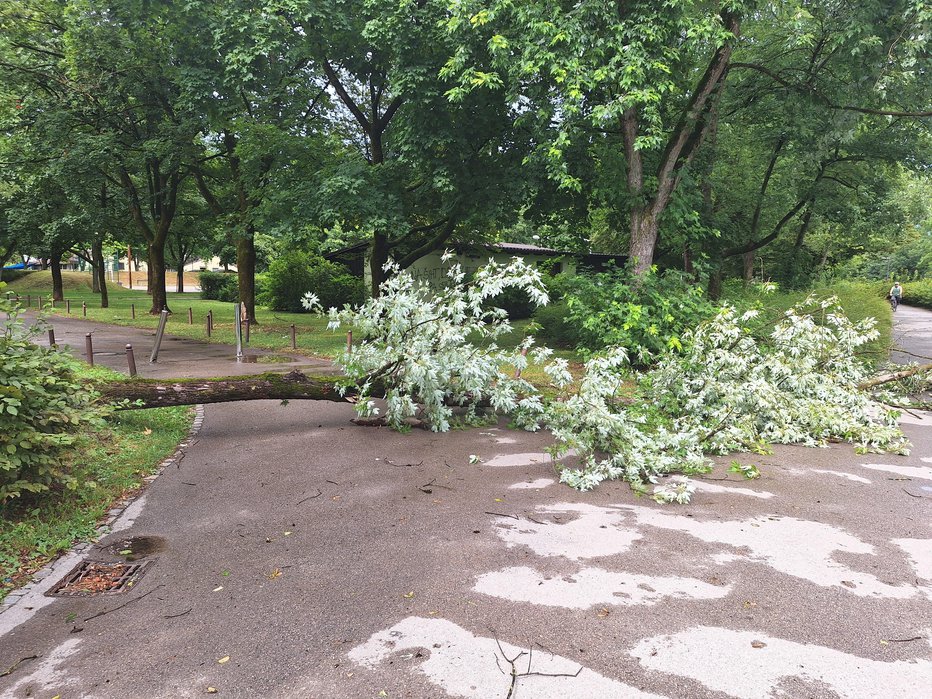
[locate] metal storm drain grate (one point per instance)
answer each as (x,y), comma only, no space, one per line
(98,578)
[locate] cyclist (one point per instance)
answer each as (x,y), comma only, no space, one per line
(896,295)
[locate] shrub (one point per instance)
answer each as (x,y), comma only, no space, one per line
(43,408)
(918,293)
(291,276)
(646,315)
(555,328)
(219,286)
(515,302)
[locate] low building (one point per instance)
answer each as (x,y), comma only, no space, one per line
(431,269)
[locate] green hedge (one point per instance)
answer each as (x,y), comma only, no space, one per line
(219,286)
(918,293)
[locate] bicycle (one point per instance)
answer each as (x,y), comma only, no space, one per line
(894,302)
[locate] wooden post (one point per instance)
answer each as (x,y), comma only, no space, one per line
(294,337)
(131,360)
(28,300)
(132,308)
(89,349)
(84,308)
(190,316)
(52,337)
(349,341)
(207,324)
(68,306)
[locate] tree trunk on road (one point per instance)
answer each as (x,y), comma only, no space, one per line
(153,393)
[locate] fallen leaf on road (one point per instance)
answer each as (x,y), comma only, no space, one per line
(224,659)
(287,533)
(409,595)
(602,613)
(757,644)
(277,573)
(217,589)
(211,690)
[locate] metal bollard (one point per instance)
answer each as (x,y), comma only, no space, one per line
(52,337)
(131,360)
(68,306)
(349,342)
(132,309)
(190,316)
(89,349)
(84,308)
(294,337)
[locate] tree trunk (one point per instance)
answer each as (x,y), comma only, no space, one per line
(748,264)
(95,278)
(180,284)
(100,274)
(246,274)
(152,393)
(58,293)
(715,285)
(644,231)
(378,256)
(157,278)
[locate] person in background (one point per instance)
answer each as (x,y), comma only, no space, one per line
(896,294)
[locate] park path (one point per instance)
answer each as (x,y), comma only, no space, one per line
(296,555)
(912,335)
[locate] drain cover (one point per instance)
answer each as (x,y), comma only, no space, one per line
(99,578)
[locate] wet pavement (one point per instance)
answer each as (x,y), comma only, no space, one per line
(293,554)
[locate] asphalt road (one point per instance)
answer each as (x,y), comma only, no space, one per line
(293,554)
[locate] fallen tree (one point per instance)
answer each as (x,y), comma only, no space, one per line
(155,393)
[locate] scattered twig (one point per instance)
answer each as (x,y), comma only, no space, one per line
(500,514)
(332,482)
(392,463)
(536,521)
(426,487)
(311,497)
(173,616)
(903,640)
(184,483)
(125,604)
(912,495)
(15,665)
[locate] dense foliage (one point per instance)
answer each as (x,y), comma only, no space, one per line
(43,407)
(218,286)
(646,313)
(294,274)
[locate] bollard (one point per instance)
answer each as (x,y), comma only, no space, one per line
(163,320)
(349,342)
(28,300)
(238,330)
(523,354)
(210,319)
(207,324)
(132,310)
(89,349)
(190,316)
(294,338)
(84,308)
(68,306)
(131,360)
(52,337)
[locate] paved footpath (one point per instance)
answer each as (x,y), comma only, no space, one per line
(293,554)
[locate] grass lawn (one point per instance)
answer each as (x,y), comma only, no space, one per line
(273,331)
(109,465)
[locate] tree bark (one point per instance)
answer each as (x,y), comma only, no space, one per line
(100,275)
(246,274)
(58,293)
(748,267)
(378,256)
(153,393)
(157,278)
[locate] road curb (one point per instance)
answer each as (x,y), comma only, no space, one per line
(43,578)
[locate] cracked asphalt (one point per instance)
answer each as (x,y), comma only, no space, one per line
(293,554)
